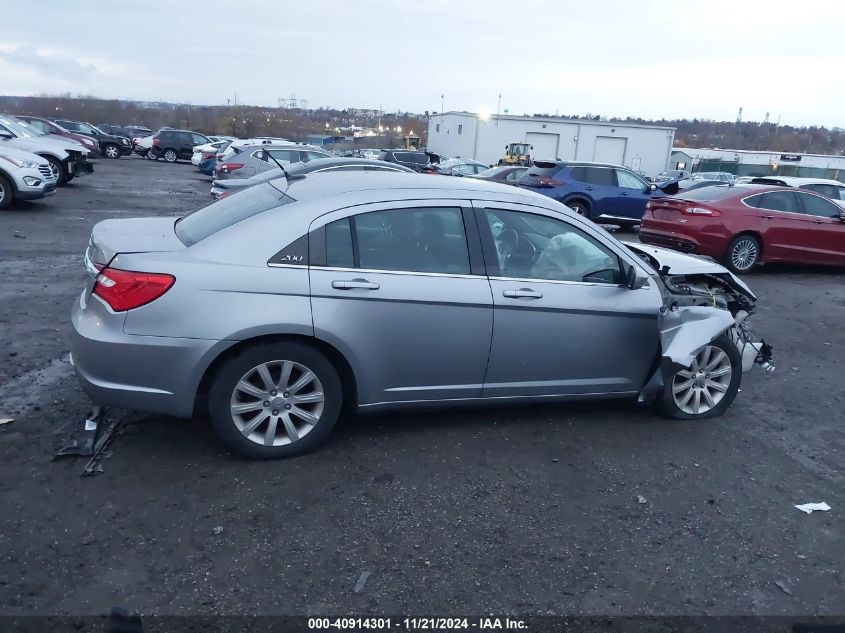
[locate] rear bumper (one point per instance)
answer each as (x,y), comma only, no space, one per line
(668,239)
(146,373)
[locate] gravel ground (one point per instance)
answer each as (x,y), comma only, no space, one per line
(525,510)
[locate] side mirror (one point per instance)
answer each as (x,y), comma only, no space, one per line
(635,278)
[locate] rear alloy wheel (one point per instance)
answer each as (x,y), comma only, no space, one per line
(275,400)
(743,254)
(579,207)
(6,192)
(111,151)
(170,155)
(708,387)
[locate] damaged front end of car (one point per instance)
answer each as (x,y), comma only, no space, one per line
(700,302)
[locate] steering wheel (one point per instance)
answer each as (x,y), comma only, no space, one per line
(507,244)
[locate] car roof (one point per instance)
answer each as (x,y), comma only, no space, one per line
(579,163)
(388,186)
(794,181)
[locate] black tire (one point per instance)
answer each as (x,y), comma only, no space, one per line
(581,208)
(743,254)
(110,150)
(170,155)
(7,194)
(237,367)
(58,168)
(150,155)
(671,408)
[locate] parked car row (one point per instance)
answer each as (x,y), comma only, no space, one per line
(33,162)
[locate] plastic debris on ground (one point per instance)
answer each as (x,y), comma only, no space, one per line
(780,584)
(90,439)
(362,580)
(809,508)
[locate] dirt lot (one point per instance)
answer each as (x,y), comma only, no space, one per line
(528,510)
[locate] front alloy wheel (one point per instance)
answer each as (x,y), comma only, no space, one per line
(708,386)
(701,387)
(112,151)
(170,156)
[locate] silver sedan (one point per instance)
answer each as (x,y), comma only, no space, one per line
(276,308)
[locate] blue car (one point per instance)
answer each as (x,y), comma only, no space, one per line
(206,165)
(598,191)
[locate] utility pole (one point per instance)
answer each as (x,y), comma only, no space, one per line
(498,108)
(442,101)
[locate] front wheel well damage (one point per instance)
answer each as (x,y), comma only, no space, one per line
(338,360)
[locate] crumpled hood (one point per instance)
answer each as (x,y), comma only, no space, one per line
(678,263)
(684,264)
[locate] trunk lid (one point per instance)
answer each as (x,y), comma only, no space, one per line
(135,235)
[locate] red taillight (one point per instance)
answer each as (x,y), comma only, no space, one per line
(127,289)
(207,155)
(219,156)
(700,211)
(228,168)
(543,181)
(156,141)
(224,194)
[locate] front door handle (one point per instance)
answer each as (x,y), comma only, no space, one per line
(522,293)
(363,284)
(588,188)
(622,193)
(767,217)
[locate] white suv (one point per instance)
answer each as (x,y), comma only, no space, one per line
(24,176)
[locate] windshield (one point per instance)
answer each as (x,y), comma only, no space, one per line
(16,126)
(224,213)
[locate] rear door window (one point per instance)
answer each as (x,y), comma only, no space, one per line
(786,201)
(199,139)
(602,176)
(224,213)
(426,239)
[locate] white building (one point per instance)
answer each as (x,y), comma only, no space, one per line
(759,163)
(642,148)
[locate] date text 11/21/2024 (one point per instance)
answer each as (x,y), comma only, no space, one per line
(417,624)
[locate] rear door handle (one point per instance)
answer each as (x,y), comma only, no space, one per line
(522,293)
(363,284)
(622,193)
(767,217)
(588,188)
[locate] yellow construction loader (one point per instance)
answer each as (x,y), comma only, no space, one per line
(517,154)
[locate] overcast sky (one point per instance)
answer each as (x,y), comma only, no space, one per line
(643,58)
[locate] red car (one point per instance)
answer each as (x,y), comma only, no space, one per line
(745,225)
(48,127)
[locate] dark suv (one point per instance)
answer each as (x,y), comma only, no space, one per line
(595,190)
(111,146)
(416,160)
(171,145)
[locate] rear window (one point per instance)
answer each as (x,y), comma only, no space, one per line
(546,170)
(710,194)
(224,213)
(419,158)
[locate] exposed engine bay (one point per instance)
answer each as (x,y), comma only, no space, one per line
(691,286)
